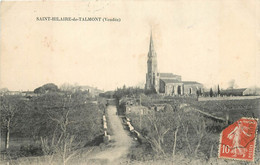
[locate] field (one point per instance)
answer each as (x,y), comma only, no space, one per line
(228,98)
(235,109)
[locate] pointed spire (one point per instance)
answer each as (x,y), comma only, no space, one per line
(151,46)
(151,41)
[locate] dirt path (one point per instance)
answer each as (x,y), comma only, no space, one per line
(122,142)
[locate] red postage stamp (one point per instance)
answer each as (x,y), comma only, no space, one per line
(237,141)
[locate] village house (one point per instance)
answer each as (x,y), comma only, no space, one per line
(233,92)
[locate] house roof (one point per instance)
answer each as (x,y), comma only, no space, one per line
(234,90)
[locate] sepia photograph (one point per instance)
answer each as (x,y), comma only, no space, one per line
(171,82)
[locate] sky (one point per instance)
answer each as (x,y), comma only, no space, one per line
(209,41)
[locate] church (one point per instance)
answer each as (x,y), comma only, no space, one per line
(168,84)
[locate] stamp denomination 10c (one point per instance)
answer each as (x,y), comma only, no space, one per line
(237,141)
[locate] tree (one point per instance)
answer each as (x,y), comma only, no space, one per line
(158,125)
(60,137)
(4,90)
(157,133)
(66,121)
(210,92)
(127,91)
(177,123)
(218,91)
(200,129)
(194,130)
(66,87)
(150,91)
(39,90)
(50,87)
(198,93)
(9,108)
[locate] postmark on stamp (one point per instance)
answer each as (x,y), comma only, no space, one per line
(237,141)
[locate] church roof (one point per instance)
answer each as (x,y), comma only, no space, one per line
(167,81)
(168,75)
(190,82)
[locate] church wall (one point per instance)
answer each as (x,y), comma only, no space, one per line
(157,84)
(191,88)
(162,87)
(177,89)
(169,89)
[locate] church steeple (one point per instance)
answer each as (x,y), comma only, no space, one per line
(151,75)
(152,57)
(152,52)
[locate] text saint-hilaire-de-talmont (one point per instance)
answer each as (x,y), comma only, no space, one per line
(93,19)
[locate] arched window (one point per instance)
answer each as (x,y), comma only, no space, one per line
(179,89)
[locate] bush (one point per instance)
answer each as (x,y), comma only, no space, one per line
(31,150)
(142,152)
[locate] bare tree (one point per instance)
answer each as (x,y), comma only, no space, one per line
(175,140)
(9,108)
(157,139)
(185,127)
(65,141)
(196,125)
(177,124)
(65,137)
(200,128)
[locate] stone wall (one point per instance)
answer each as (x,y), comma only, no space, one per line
(191,88)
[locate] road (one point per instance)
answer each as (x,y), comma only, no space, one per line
(122,142)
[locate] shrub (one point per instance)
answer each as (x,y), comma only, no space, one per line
(31,150)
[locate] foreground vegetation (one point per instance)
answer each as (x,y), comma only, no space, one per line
(60,126)
(54,124)
(180,135)
(177,132)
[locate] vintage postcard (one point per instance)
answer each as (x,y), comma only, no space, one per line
(130,82)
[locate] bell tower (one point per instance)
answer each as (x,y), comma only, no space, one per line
(152,79)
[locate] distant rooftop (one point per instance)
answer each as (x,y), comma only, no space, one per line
(234,90)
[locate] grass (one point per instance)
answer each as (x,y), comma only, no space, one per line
(235,108)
